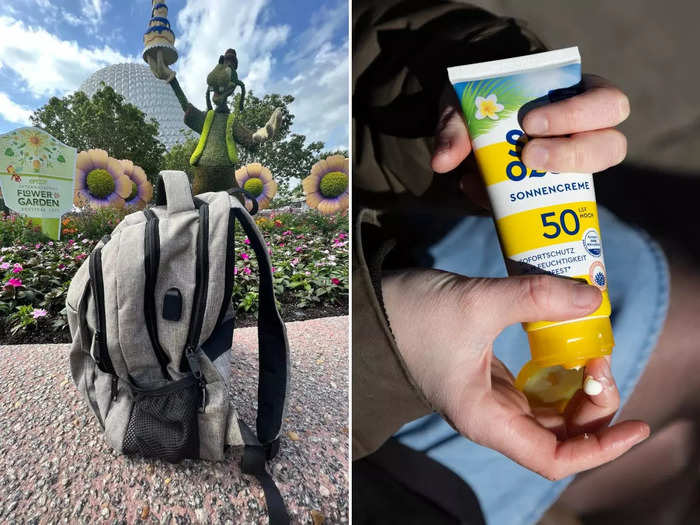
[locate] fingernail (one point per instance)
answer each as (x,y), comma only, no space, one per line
(585,295)
(537,156)
(536,125)
(592,387)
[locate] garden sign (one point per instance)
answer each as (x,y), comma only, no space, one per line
(37,173)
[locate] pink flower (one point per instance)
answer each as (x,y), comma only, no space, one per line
(37,245)
(71,241)
(335,280)
(17,268)
(245,256)
(38,312)
(246,271)
(4,266)
(80,256)
(294,261)
(61,266)
(14,282)
(246,241)
(235,270)
(50,243)
(298,249)
(288,232)
(272,268)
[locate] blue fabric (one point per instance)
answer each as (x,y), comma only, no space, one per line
(639,290)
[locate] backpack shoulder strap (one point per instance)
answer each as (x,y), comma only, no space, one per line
(273,347)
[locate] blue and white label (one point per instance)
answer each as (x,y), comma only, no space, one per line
(591,242)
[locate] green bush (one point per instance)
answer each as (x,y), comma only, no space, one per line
(18,229)
(92,224)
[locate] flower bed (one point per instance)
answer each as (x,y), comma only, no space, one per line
(309,254)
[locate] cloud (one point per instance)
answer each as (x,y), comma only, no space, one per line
(44,64)
(94,9)
(208,28)
(13,112)
(318,79)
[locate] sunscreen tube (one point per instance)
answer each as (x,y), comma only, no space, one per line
(547,222)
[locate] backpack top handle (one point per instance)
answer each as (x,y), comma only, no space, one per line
(173,190)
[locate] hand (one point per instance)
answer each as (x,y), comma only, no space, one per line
(445,325)
(158,66)
(270,128)
(573,135)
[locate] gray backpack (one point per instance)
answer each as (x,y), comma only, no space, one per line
(152,325)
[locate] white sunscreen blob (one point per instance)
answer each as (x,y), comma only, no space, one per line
(592,387)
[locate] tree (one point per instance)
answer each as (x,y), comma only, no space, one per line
(178,156)
(104,121)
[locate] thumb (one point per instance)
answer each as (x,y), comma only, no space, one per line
(535,298)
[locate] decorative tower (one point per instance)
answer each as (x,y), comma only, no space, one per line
(159,36)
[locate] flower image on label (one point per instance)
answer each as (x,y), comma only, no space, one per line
(591,242)
(487,107)
(597,274)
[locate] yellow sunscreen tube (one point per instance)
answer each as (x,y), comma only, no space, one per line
(547,222)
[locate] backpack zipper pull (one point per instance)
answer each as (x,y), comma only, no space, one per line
(192,355)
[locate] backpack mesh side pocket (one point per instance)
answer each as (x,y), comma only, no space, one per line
(163,422)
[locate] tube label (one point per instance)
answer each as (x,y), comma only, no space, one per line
(547,222)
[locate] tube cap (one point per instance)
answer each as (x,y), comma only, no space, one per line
(559,354)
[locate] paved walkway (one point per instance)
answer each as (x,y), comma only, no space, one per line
(55,466)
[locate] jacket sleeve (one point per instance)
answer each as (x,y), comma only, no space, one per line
(401,49)
(384,395)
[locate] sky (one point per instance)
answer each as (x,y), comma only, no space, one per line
(48,48)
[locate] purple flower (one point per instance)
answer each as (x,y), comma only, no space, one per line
(246,241)
(50,243)
(235,270)
(17,268)
(246,271)
(298,249)
(14,282)
(71,241)
(38,312)
(288,232)
(4,266)
(37,245)
(245,256)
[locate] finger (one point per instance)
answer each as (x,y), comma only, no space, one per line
(537,449)
(586,152)
(593,407)
(601,106)
(451,138)
(497,303)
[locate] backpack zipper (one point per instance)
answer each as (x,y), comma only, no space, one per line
(230,261)
(104,362)
(151,262)
(192,348)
